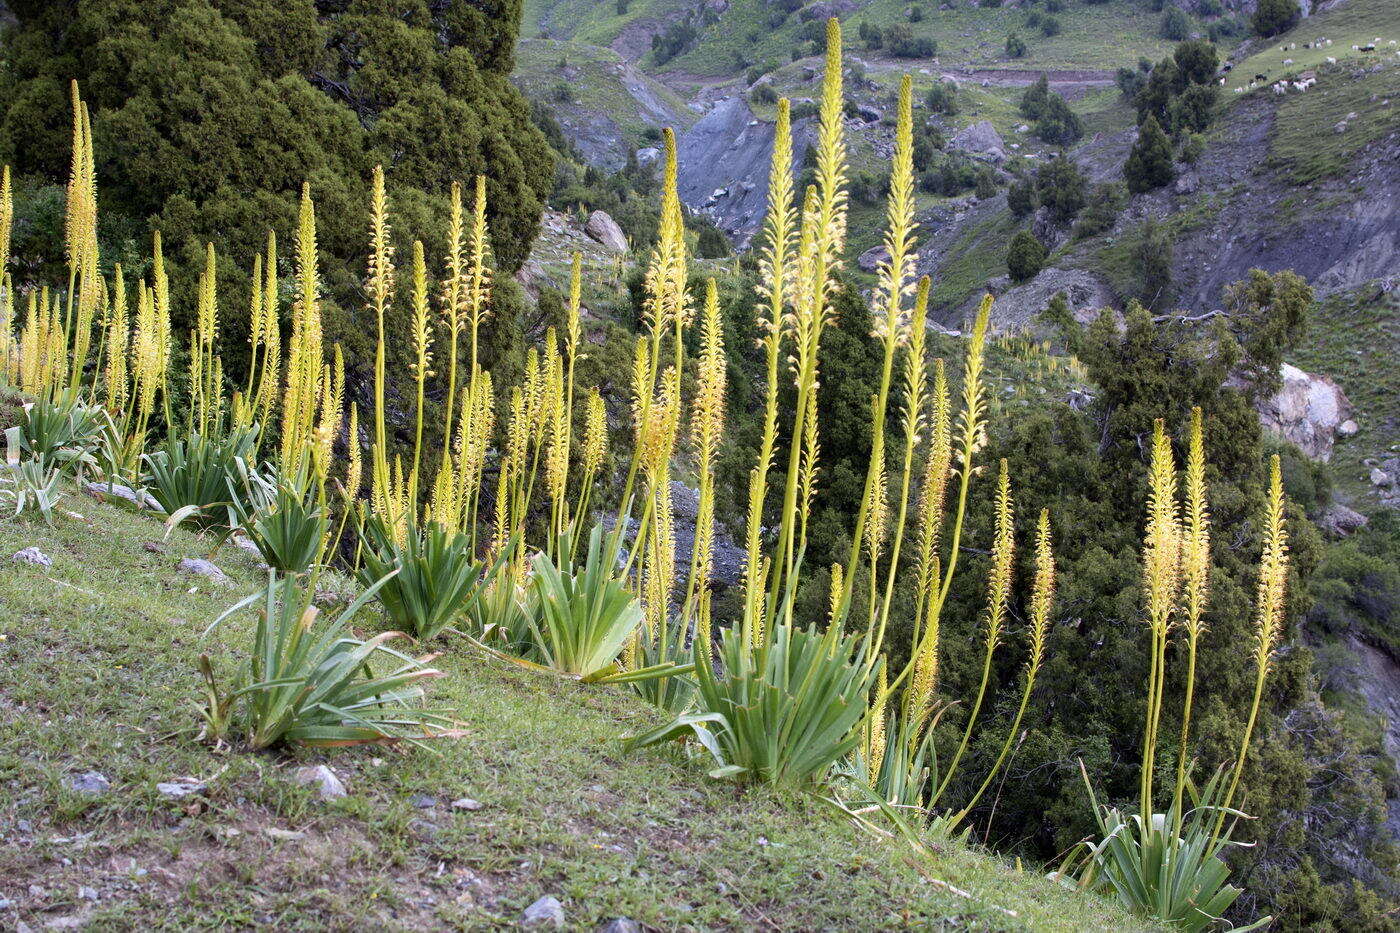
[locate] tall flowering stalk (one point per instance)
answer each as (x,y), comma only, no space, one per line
(706,429)
(1195,577)
(423,359)
(270,378)
(819,245)
(775,273)
(998,595)
(895,329)
(1161,579)
(80,227)
(1269,600)
(118,338)
(380,286)
(305,356)
(1042,602)
(9,352)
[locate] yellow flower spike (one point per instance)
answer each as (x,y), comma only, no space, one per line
(270,378)
(477,290)
(1161,581)
(1269,604)
(774,275)
(354,468)
(422,348)
(118,338)
(998,593)
(1042,601)
(305,356)
(706,429)
(1195,583)
(875,746)
(453,304)
(380,286)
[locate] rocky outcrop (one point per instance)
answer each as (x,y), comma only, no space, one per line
(722,165)
(1085,292)
(1307,411)
(825,9)
(980,139)
(871,259)
(605,230)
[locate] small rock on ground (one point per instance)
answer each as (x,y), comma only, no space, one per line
(328,785)
(32,555)
(142,500)
(180,787)
(89,782)
(466,803)
(621,925)
(202,568)
(545,912)
(423,801)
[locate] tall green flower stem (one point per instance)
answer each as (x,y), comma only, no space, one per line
(1270,594)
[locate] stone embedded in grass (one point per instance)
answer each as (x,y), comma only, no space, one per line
(142,500)
(423,801)
(32,555)
(200,567)
(466,803)
(328,785)
(621,925)
(287,834)
(180,787)
(545,912)
(89,782)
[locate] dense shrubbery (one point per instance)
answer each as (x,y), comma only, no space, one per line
(1102,207)
(1149,162)
(1272,17)
(1054,121)
(1059,186)
(1025,256)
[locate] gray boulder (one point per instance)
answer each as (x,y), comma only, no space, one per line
(870,259)
(980,139)
(545,912)
(1338,520)
(328,785)
(1307,411)
(199,567)
(89,782)
(32,555)
(604,229)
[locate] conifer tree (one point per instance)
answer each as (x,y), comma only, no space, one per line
(1149,164)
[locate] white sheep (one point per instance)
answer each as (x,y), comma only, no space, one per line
(1288,61)
(1331,60)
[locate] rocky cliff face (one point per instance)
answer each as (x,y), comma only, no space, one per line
(722,165)
(1308,411)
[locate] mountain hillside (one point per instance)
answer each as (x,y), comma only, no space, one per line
(129,822)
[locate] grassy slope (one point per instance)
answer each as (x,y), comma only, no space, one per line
(594,77)
(1093,36)
(96,672)
(1356,22)
(1357,343)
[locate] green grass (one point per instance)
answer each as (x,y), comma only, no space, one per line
(1093,37)
(594,79)
(97,659)
(1356,341)
(1355,22)
(978,255)
(1304,141)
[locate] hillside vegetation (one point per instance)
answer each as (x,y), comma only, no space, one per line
(110,635)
